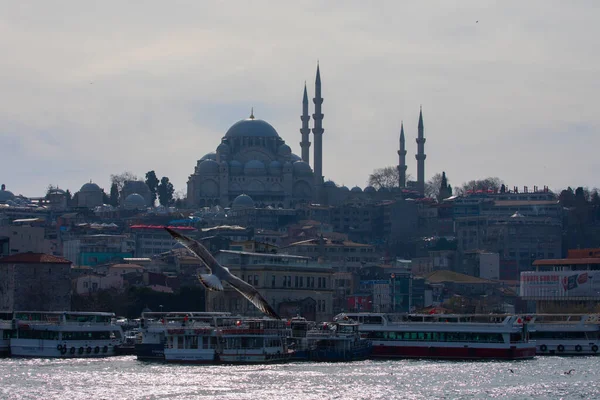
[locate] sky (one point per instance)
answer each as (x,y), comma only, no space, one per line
(508,88)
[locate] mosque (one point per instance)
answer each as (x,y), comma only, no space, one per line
(254,166)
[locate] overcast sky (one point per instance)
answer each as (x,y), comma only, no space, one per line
(93,88)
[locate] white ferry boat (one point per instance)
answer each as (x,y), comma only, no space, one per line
(445,336)
(64,334)
(6,332)
(253,341)
(156,326)
(565,334)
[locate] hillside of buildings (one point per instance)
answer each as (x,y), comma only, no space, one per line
(494,250)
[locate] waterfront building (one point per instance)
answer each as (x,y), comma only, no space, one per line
(92,250)
(152,240)
(27,238)
(566,285)
(344,255)
(291,285)
(35,281)
(520,226)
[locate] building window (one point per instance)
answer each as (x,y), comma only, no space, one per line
(272,280)
(255,280)
(296,281)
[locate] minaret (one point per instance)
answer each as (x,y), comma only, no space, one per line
(402,159)
(318,131)
(305,130)
(421,156)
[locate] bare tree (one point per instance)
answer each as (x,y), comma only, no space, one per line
(432,186)
(387,177)
(119,179)
(491,183)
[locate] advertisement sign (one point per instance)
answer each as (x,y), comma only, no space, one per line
(560,284)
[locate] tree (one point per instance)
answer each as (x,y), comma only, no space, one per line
(113,199)
(165,192)
(69,197)
(432,186)
(121,178)
(180,199)
(105,198)
(491,183)
(152,182)
(387,177)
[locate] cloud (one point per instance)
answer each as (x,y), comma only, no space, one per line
(93,89)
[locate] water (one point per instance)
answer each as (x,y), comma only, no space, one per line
(126,378)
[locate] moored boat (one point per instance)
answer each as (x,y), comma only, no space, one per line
(253,341)
(444,336)
(565,334)
(64,334)
(155,326)
(334,341)
(6,332)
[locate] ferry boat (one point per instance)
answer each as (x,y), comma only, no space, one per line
(6,332)
(445,336)
(155,326)
(334,341)
(64,334)
(253,341)
(565,334)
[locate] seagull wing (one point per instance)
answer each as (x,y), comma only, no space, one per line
(193,245)
(222,273)
(250,292)
(211,282)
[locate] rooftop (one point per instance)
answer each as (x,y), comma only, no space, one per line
(176,228)
(442,276)
(33,258)
(568,261)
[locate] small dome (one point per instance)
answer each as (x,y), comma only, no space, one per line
(254,168)
(235,167)
(344,189)
(56,191)
(383,189)
(242,201)
(6,195)
(302,169)
(275,168)
(251,127)
(517,215)
(208,166)
(134,201)
(284,150)
(295,157)
(356,189)
(223,148)
(209,156)
(369,189)
(90,187)
(330,184)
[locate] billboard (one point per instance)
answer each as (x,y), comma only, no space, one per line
(564,284)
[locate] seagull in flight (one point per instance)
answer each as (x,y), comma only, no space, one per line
(569,372)
(219,273)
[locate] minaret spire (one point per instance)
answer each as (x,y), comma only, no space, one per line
(305,130)
(421,155)
(318,131)
(402,158)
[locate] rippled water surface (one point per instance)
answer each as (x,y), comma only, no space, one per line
(127,378)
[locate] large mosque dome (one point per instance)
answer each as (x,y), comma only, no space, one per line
(251,127)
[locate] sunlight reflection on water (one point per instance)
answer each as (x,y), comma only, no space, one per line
(127,378)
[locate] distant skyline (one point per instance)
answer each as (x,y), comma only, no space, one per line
(508,89)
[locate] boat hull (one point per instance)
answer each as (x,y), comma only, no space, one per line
(55,349)
(454,353)
(191,356)
(150,351)
(569,348)
(228,357)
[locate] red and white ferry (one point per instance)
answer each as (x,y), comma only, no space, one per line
(445,336)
